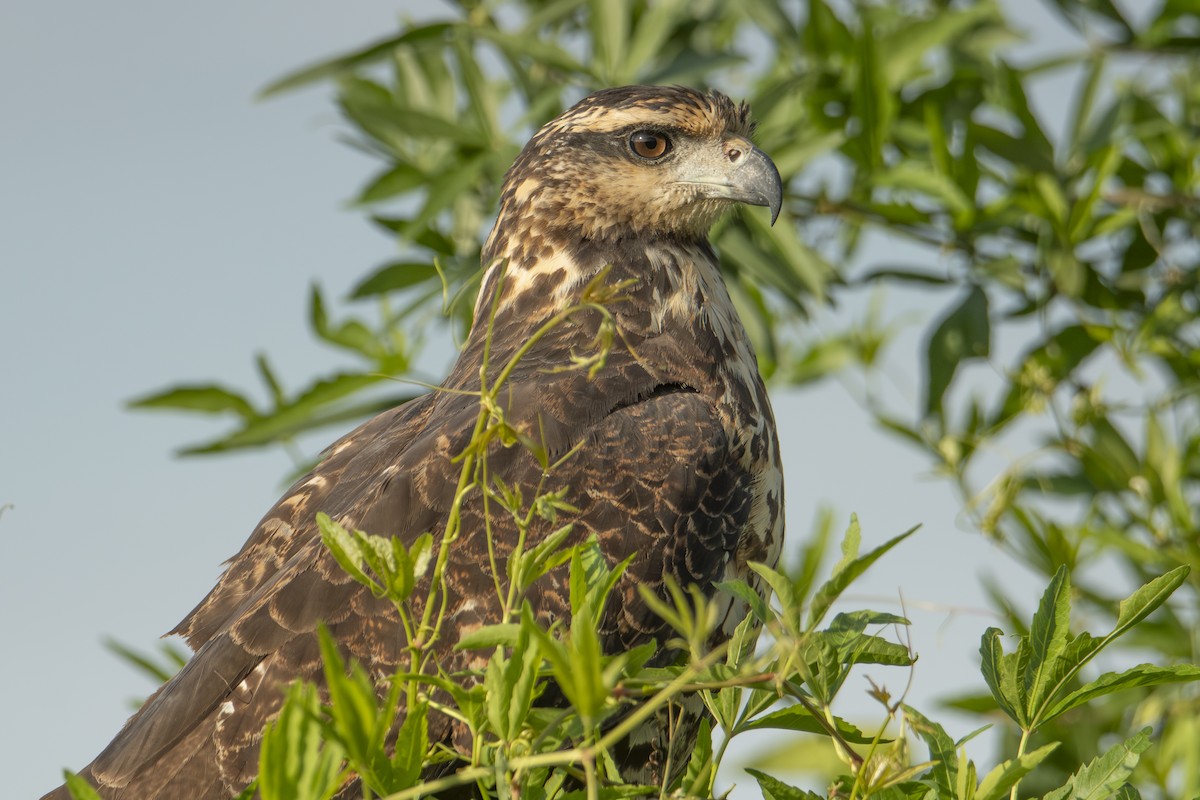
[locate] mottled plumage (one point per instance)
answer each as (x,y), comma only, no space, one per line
(675,456)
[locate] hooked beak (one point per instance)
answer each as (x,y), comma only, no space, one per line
(751,178)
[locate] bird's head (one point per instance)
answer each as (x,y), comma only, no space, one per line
(634,160)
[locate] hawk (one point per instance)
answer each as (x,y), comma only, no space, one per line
(670,449)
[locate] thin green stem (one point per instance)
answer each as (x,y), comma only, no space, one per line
(1012,795)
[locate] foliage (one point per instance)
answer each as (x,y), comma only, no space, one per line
(1072,246)
(523,749)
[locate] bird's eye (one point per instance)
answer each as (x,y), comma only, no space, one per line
(648,144)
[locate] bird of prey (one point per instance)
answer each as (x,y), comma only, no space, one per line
(671,449)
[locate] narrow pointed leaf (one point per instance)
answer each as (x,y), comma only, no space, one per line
(1145,600)
(1110,682)
(962,335)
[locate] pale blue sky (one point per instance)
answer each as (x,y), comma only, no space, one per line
(158,226)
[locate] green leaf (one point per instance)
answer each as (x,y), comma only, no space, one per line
(1033,138)
(915,177)
(498,694)
(999,675)
(963,334)
(210,399)
(697,776)
(1012,149)
(346,550)
(797,718)
(542,558)
(1045,366)
(161,673)
(538,49)
(314,408)
(1111,682)
(1145,600)
(744,592)
(997,784)
(353,704)
(775,789)
(1103,776)
(941,750)
(412,745)
(399,179)
(351,335)
(806,271)
(489,637)
(367,55)
(651,32)
(393,276)
(846,573)
(856,647)
(610,32)
(905,50)
(615,792)
(1047,640)
(851,544)
(79,788)
(872,101)
(1076,13)
(295,760)
(903,275)
(450,187)
(522,673)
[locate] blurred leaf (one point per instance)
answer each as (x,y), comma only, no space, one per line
(873,102)
(913,177)
(295,761)
(367,55)
(963,334)
(399,179)
(904,275)
(205,399)
(1078,12)
(79,788)
(1013,149)
(309,411)
(351,335)
(905,50)
(170,660)
(392,277)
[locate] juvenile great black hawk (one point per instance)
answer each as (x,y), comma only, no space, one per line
(675,454)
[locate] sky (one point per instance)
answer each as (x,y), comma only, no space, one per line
(159,225)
